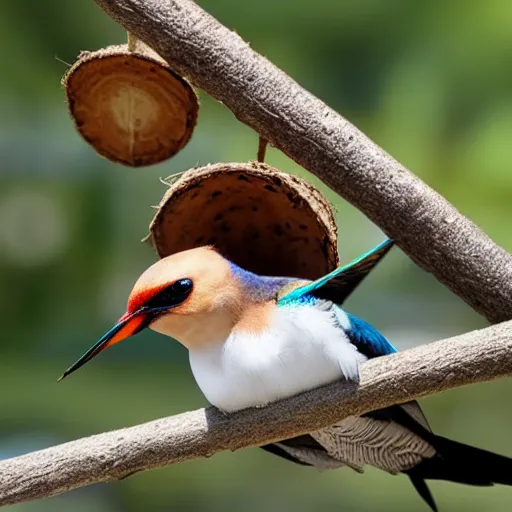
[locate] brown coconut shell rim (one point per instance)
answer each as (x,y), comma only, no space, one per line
(147,55)
(314,203)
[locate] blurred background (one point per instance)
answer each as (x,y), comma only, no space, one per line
(431,82)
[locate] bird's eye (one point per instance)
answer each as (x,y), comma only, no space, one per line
(182,286)
(171,296)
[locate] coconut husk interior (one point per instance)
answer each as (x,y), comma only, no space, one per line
(262,219)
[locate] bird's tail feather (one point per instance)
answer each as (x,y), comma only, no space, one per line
(464,464)
(459,463)
(423,490)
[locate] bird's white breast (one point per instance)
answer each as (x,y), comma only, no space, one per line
(304,347)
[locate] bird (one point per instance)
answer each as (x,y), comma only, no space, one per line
(253,340)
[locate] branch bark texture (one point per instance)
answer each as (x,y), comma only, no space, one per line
(475,357)
(427,227)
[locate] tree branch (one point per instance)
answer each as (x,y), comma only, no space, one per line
(428,228)
(474,357)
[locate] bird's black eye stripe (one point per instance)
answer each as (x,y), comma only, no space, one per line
(173,295)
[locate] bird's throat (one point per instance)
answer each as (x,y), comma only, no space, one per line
(197,331)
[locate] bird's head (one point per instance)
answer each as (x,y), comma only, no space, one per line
(191,296)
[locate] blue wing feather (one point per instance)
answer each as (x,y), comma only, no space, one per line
(368,340)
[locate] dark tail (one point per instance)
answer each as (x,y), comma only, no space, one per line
(460,463)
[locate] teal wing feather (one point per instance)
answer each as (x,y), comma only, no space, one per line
(341,282)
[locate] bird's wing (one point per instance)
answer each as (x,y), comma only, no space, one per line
(304,450)
(341,282)
(370,342)
(334,288)
(414,410)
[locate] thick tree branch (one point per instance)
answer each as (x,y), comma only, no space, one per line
(430,230)
(475,357)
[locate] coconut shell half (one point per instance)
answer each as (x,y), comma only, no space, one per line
(130,105)
(262,219)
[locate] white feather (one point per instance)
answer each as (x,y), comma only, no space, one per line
(303,348)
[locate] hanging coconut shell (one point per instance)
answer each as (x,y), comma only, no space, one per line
(264,220)
(129,105)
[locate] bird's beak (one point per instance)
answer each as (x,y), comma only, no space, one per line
(127,325)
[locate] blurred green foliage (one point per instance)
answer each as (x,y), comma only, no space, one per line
(429,81)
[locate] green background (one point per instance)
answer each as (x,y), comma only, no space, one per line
(431,82)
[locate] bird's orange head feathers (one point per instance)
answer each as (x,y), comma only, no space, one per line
(191,296)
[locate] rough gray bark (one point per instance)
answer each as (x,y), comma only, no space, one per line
(428,228)
(474,357)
